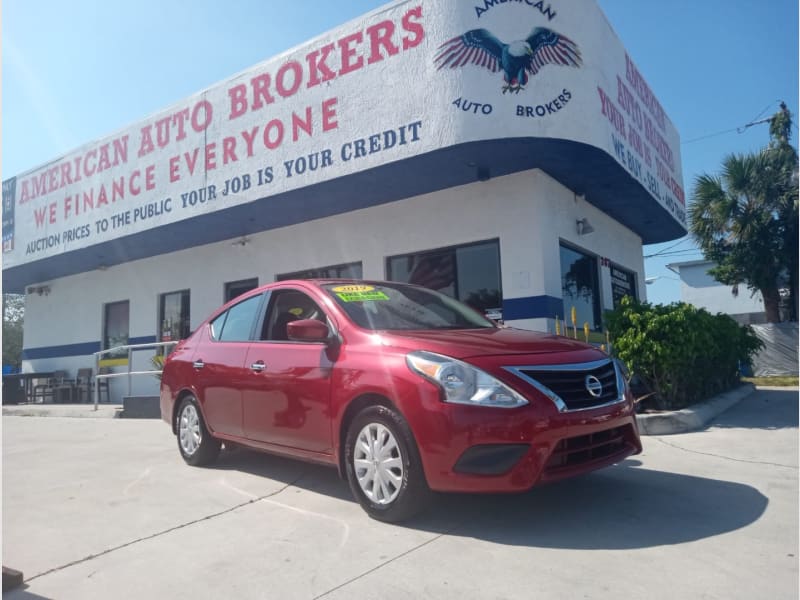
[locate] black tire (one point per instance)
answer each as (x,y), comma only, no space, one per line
(195,443)
(405,491)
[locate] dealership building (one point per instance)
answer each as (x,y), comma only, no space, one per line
(508,153)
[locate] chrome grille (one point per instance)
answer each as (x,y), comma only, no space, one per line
(575,387)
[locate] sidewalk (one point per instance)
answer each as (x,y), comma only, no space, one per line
(694,417)
(104,411)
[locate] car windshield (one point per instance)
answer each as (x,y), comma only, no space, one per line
(383,307)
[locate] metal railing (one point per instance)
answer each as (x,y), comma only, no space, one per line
(129,350)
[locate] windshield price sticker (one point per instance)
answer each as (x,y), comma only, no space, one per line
(362,296)
(352,289)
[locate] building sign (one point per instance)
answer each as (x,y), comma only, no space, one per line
(643,139)
(409,79)
(623,283)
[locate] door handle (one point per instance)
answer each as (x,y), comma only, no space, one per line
(258,366)
(198,364)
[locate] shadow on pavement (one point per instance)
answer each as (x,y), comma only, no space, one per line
(316,478)
(21,593)
(622,507)
(764,409)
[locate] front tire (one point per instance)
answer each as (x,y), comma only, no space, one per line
(383,465)
(196,445)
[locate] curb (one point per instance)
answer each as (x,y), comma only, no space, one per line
(86,411)
(692,418)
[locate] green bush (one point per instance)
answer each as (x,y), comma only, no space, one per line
(681,353)
(157,362)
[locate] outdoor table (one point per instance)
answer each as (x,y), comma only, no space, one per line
(27,381)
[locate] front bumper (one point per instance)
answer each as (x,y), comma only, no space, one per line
(487,450)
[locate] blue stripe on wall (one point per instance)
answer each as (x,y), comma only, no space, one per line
(82,349)
(532,307)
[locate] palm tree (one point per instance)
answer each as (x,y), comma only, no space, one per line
(746,220)
(736,220)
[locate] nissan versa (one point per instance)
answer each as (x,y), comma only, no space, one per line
(401,388)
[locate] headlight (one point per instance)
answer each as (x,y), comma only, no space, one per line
(623,376)
(622,369)
(463,383)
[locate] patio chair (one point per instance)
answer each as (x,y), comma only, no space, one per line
(85,383)
(59,388)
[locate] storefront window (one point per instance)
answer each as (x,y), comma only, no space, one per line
(173,316)
(237,288)
(580,287)
(470,273)
(116,322)
(623,283)
(346,271)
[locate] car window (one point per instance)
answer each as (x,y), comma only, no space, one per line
(217,324)
(238,321)
(398,307)
(287,306)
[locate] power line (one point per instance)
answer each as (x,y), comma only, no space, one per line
(766,108)
(677,253)
(710,135)
(740,129)
(685,238)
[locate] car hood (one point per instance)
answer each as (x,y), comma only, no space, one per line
(466,343)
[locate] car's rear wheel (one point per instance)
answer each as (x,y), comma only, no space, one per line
(383,465)
(196,445)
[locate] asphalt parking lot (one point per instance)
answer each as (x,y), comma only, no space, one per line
(105,508)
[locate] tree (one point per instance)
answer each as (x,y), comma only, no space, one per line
(745,220)
(13,315)
(784,160)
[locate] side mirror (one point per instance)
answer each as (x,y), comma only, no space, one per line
(307,330)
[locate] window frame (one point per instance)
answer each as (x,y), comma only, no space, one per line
(160,314)
(226,287)
(598,296)
(111,360)
(454,249)
(313,273)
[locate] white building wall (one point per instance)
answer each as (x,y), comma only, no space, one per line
(529,212)
(561,209)
(702,290)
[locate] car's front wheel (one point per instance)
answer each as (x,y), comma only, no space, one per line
(383,465)
(196,445)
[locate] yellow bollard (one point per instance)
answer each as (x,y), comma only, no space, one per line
(558,325)
(586,331)
(574,315)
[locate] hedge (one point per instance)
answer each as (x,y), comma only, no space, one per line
(681,353)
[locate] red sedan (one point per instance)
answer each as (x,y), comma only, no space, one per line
(403,389)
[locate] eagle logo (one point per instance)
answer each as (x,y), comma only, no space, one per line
(516,60)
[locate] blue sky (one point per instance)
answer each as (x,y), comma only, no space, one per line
(78,70)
